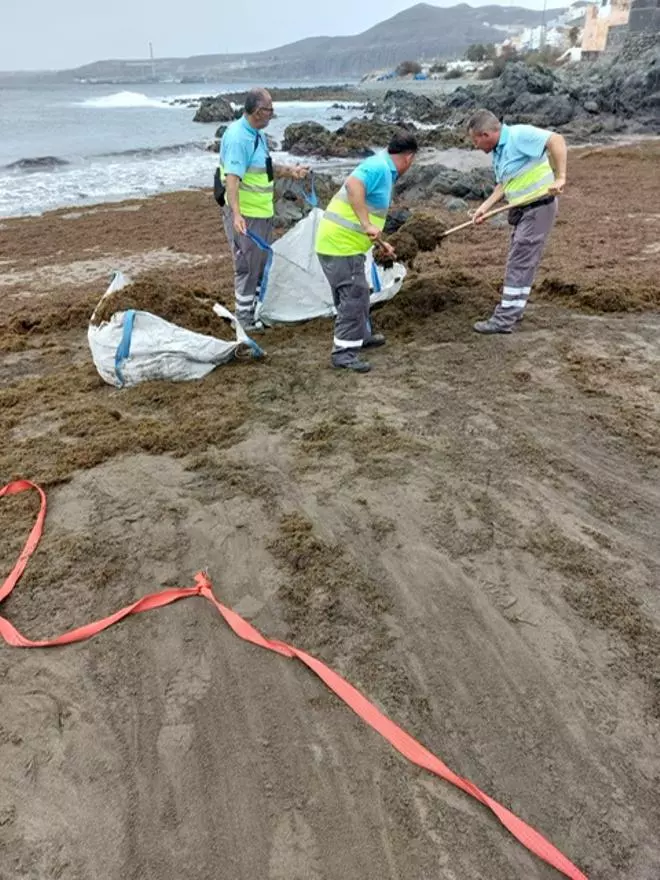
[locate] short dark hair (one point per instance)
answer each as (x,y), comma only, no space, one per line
(403,143)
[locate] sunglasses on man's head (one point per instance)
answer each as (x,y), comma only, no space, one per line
(267,109)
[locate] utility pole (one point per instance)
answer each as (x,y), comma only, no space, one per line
(543,25)
(153,66)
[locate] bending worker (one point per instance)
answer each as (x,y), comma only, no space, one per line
(530,170)
(352,222)
(247,172)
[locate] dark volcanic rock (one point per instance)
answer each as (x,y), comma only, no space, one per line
(305,93)
(614,95)
(306,139)
(443,138)
(355,140)
(290,203)
(455,205)
(370,133)
(520,94)
(628,86)
(533,92)
(399,105)
(216,109)
(39,163)
(395,220)
(519,78)
(546,111)
(361,137)
(425,181)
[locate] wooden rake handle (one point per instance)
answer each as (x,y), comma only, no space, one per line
(467,223)
(471,222)
(489,214)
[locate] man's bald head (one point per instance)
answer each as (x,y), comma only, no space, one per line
(258,107)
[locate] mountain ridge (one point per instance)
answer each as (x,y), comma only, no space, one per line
(419,32)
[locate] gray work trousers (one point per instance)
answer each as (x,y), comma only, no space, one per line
(528,239)
(350,292)
(249,261)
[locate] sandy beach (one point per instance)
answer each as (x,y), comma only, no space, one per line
(469,534)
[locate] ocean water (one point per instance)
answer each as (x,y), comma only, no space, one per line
(106,143)
(110,143)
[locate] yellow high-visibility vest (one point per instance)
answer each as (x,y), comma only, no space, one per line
(530,183)
(255,191)
(340,232)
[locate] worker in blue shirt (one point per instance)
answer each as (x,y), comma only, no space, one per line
(530,170)
(351,224)
(246,175)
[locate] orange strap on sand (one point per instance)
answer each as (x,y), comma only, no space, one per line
(401,740)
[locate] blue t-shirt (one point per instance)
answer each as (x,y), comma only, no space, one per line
(518,145)
(378,174)
(242,146)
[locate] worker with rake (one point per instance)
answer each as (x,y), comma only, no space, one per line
(530,170)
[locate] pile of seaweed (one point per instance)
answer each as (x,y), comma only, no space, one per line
(184,306)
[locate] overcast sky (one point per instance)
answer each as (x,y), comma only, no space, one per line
(56,34)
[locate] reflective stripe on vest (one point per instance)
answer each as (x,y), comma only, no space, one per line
(349,238)
(255,192)
(532,182)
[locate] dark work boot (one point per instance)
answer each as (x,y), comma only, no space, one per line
(490,326)
(357,366)
(374,341)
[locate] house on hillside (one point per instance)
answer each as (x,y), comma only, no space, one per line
(572,15)
(561,32)
(462,65)
(532,39)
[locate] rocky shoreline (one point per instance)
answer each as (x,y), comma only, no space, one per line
(226,107)
(597,102)
(585,103)
(621,95)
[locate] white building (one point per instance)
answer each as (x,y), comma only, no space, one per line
(532,39)
(573,15)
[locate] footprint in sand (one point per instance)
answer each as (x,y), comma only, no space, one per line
(294,854)
(187,687)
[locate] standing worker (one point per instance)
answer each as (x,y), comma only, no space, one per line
(530,170)
(352,222)
(246,194)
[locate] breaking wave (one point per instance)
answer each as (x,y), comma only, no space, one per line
(149,152)
(121,100)
(37,163)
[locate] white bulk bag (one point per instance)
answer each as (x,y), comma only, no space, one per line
(135,346)
(294,287)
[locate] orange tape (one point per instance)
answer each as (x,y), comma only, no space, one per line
(402,741)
